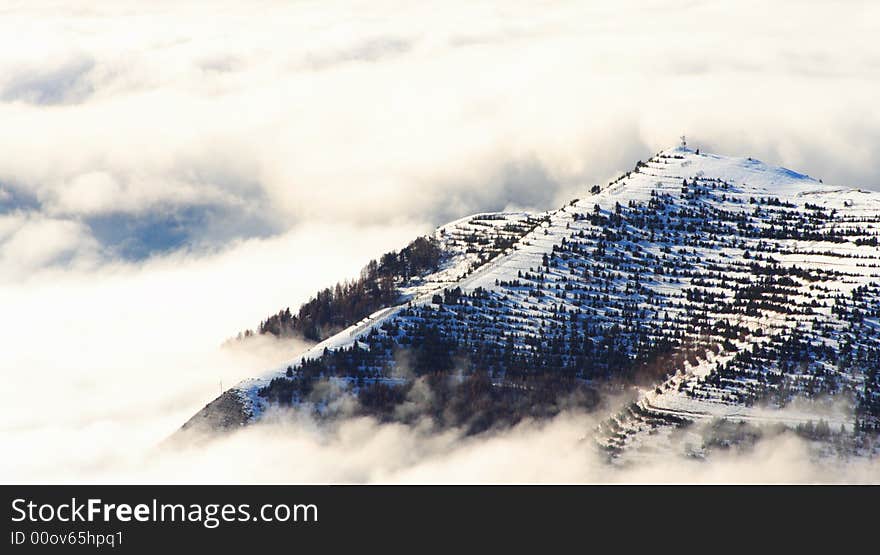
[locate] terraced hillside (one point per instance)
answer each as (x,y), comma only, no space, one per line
(720,287)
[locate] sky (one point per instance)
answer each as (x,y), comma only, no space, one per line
(171,172)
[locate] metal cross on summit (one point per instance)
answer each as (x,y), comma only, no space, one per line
(684,142)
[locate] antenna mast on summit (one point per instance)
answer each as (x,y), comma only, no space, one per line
(684,142)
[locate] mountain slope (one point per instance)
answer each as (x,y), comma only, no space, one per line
(724,287)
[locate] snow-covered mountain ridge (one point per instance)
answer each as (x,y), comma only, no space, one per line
(726,287)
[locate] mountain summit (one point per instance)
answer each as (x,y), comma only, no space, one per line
(718,289)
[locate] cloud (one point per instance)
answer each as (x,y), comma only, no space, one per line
(65,83)
(418,113)
(195,228)
(105,361)
(292,448)
(171,175)
(31,242)
(89,192)
(367,50)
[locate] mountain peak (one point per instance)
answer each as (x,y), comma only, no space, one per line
(718,287)
(666,171)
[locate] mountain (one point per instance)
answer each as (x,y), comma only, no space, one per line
(710,289)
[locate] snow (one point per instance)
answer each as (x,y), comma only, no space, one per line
(744,179)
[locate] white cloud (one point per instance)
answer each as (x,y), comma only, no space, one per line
(404,111)
(28,243)
(88,193)
(327,120)
(295,449)
(105,362)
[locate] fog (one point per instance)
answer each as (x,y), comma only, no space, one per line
(231,120)
(106,363)
(171,173)
(292,448)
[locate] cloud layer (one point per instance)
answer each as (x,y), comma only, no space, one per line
(171,172)
(270,115)
(100,364)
